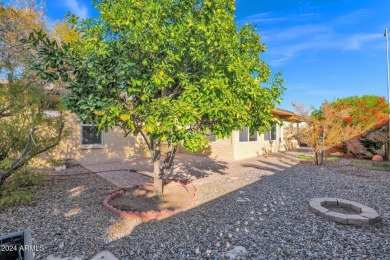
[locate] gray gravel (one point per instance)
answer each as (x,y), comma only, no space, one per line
(263,210)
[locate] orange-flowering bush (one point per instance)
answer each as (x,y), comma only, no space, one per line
(346,125)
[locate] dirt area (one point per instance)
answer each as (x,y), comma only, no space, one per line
(141,198)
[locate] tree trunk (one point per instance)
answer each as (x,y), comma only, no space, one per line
(160,168)
(321,155)
(157,178)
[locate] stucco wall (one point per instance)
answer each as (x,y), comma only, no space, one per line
(243,150)
(232,149)
(115,145)
(221,149)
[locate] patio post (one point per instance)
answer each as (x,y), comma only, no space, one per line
(387,145)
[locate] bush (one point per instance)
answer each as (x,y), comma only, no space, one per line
(20,188)
(56,162)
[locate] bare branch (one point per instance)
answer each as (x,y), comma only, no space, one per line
(28,152)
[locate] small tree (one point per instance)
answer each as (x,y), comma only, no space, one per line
(323,129)
(342,121)
(171,71)
(25,131)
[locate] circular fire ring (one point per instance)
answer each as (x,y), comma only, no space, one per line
(364,216)
(148,214)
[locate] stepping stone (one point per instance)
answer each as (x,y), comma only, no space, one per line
(52,257)
(104,255)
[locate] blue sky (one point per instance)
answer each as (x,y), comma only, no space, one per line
(325,48)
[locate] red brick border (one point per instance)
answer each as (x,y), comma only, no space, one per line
(149,214)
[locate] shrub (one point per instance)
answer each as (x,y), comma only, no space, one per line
(56,162)
(20,188)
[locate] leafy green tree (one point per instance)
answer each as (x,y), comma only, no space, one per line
(25,129)
(168,70)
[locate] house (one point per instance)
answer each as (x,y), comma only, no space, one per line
(241,144)
(86,146)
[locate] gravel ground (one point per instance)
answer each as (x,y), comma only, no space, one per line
(263,210)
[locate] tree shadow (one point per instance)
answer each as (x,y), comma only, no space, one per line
(262,215)
(191,167)
(268,166)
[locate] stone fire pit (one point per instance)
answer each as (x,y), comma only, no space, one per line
(344,211)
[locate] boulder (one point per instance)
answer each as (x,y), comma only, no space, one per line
(377,158)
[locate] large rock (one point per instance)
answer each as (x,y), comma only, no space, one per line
(377,158)
(238,252)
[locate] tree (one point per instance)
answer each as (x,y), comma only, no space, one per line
(343,121)
(323,128)
(371,115)
(171,71)
(25,129)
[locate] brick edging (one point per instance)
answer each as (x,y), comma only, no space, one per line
(365,215)
(148,214)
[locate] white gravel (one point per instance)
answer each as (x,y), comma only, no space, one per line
(264,211)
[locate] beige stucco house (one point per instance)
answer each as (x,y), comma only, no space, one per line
(242,144)
(85,146)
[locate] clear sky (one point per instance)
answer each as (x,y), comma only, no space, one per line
(325,48)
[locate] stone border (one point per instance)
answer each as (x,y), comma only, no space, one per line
(365,215)
(149,214)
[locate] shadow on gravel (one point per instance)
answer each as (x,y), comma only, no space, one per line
(196,167)
(269,217)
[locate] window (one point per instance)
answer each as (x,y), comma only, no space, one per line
(212,138)
(90,135)
(271,134)
(245,136)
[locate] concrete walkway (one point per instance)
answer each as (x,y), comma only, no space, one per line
(198,169)
(118,173)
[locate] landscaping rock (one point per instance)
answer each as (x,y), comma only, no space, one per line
(274,224)
(238,252)
(377,158)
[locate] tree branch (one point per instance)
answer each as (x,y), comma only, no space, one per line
(148,144)
(28,153)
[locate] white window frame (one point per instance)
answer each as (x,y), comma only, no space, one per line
(96,145)
(248,140)
(270,134)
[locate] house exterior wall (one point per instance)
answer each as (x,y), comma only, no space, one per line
(221,149)
(243,150)
(115,145)
(232,149)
